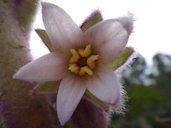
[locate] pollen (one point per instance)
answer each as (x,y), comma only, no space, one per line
(82,62)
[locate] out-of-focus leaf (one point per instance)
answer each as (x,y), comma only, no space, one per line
(122,58)
(44,37)
(142,97)
(47,87)
(93,19)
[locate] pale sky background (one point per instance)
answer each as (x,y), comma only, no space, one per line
(152,26)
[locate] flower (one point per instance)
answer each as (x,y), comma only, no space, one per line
(80,60)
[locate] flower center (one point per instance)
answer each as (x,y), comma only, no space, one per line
(82,61)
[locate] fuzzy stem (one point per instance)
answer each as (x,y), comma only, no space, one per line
(19,109)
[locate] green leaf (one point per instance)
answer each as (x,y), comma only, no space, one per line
(93,19)
(122,58)
(44,37)
(47,87)
(104,105)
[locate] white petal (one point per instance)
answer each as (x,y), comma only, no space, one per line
(109,37)
(61,29)
(104,85)
(49,67)
(69,95)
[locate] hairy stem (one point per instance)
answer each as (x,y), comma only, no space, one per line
(18,107)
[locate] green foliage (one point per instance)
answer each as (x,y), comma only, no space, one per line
(149,94)
(143,98)
(135,73)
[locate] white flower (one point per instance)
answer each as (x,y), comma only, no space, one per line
(80,60)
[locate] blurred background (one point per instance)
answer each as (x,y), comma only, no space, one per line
(149,94)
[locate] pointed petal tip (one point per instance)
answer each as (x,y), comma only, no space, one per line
(18,75)
(15,76)
(44,4)
(48,6)
(62,121)
(127,23)
(62,31)
(69,95)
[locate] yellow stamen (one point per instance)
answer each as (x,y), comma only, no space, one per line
(82,61)
(85,52)
(74,68)
(91,61)
(75,56)
(85,70)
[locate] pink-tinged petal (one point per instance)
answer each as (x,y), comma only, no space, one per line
(109,37)
(104,85)
(61,29)
(69,95)
(49,67)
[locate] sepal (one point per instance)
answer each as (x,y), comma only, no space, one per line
(44,37)
(93,19)
(96,100)
(122,58)
(49,87)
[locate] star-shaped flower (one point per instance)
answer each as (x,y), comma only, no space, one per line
(79,59)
